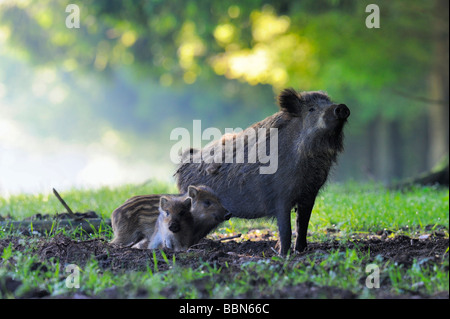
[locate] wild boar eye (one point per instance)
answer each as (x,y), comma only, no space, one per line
(311,109)
(207,203)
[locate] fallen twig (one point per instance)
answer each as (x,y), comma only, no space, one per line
(227,238)
(69,211)
(274,250)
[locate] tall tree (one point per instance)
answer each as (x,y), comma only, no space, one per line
(439,84)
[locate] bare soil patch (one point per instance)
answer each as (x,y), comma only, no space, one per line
(231,255)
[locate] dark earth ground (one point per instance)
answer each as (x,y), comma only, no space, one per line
(230,255)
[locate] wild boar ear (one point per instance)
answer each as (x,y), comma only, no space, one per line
(163,203)
(192,191)
(289,101)
(187,202)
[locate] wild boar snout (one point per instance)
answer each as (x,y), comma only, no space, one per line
(342,112)
(174,227)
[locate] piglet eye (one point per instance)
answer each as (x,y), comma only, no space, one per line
(311,109)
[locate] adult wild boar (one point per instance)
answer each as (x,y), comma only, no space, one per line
(309,138)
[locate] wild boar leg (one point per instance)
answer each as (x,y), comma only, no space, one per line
(284,227)
(305,207)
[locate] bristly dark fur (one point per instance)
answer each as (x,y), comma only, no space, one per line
(313,97)
(309,139)
(291,101)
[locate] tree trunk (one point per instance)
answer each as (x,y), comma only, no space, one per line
(396,150)
(383,157)
(438,86)
(371,167)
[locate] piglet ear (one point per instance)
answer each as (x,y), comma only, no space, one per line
(192,191)
(187,203)
(163,203)
(289,101)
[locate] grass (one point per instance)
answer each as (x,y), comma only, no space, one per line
(103,200)
(341,212)
(367,208)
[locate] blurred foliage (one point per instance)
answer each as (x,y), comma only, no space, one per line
(147,66)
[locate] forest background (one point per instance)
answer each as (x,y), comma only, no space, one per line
(95,105)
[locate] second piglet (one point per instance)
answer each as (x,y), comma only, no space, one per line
(135,221)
